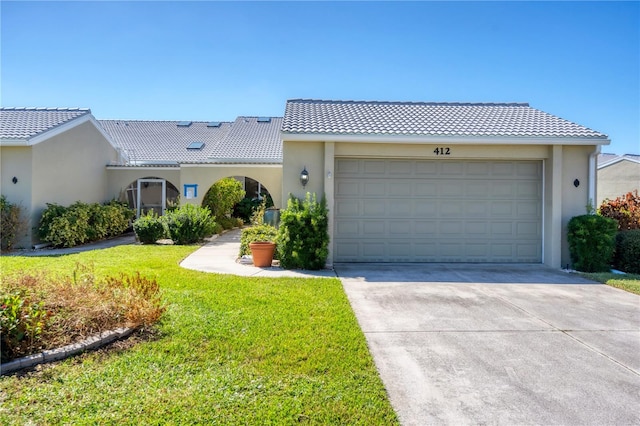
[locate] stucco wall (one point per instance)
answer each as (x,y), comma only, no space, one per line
(71,167)
(16,162)
(618,179)
(270,176)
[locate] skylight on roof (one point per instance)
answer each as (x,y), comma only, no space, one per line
(185,123)
(264,119)
(196,145)
(213,124)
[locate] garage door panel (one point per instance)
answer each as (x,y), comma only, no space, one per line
(437,211)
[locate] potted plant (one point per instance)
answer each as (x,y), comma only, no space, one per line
(259,240)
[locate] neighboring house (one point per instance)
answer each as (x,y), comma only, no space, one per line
(52,155)
(617,175)
(441,182)
(186,158)
(404,181)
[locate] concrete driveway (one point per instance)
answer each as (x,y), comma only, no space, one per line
(499,344)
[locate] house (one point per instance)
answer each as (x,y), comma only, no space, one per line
(441,182)
(171,159)
(617,175)
(52,155)
(404,181)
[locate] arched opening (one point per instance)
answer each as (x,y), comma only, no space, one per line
(254,194)
(151,194)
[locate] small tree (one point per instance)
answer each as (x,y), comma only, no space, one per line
(222,196)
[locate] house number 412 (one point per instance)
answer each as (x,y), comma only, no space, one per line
(442,151)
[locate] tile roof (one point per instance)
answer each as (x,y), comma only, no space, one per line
(244,140)
(25,123)
(309,116)
(251,139)
(606,159)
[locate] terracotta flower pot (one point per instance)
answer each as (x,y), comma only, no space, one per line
(262,253)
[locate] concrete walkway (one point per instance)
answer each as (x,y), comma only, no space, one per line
(220,254)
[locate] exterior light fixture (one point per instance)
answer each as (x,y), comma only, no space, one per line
(14,180)
(304,177)
(576,183)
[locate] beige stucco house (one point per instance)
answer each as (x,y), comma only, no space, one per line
(404,181)
(617,175)
(441,182)
(52,155)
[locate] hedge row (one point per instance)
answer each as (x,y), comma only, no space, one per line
(186,225)
(82,223)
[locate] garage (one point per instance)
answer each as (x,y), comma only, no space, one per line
(400,210)
(441,181)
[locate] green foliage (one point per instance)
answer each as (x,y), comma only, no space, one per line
(12,223)
(82,223)
(624,209)
(592,242)
(227,222)
(627,256)
(189,224)
(150,228)
(255,234)
(22,321)
(303,238)
(222,196)
(246,208)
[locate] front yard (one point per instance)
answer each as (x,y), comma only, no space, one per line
(628,282)
(229,350)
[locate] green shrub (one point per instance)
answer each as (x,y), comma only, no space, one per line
(81,223)
(189,224)
(303,239)
(627,256)
(149,228)
(12,223)
(222,196)
(22,322)
(247,206)
(592,242)
(254,234)
(227,222)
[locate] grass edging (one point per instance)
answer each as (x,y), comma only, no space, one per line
(93,342)
(627,282)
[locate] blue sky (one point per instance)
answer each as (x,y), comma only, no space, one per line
(218,60)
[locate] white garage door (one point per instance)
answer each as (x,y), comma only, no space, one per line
(437,211)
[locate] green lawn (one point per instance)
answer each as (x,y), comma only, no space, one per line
(628,282)
(229,350)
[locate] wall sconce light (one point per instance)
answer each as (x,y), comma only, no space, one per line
(304,177)
(576,183)
(14,180)
(329,174)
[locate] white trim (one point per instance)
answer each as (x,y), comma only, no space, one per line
(110,167)
(244,161)
(617,160)
(592,184)
(217,165)
(55,131)
(544,199)
(453,140)
(139,194)
(14,142)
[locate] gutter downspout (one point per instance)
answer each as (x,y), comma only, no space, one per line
(593,168)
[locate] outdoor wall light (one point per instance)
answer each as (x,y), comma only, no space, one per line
(14,180)
(304,177)
(576,183)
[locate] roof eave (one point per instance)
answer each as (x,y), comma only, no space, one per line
(449,139)
(14,142)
